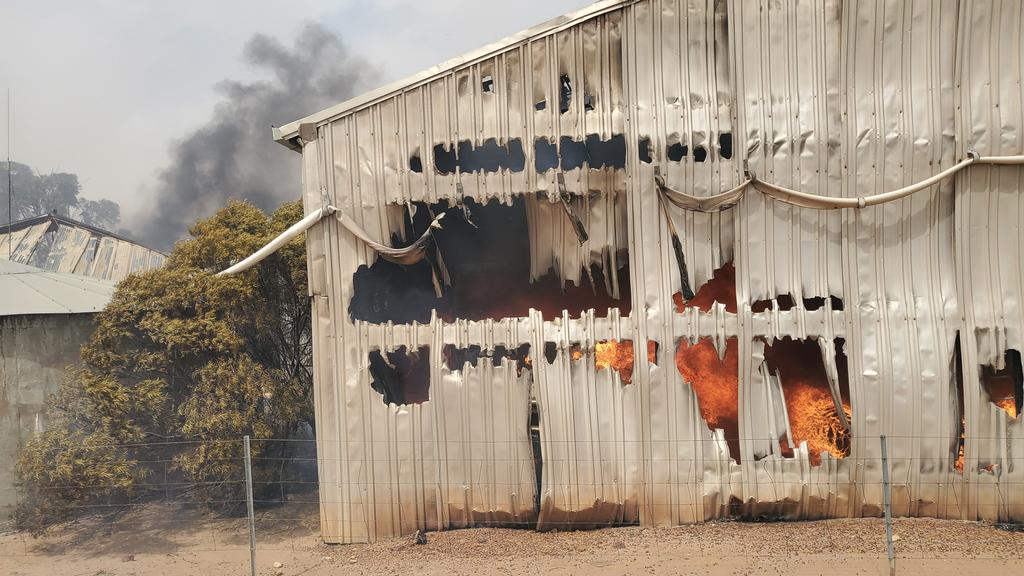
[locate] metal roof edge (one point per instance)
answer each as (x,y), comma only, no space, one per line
(287,134)
(33,291)
(15,226)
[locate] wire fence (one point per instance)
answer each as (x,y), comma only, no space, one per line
(273,499)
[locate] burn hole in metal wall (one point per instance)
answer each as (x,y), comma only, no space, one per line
(1003,385)
(456,358)
(592,152)
(817,407)
(614,354)
(676,151)
(401,377)
(960,416)
(721,288)
(786,302)
(487,258)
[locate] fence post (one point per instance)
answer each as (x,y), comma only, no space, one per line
(887,501)
(248,503)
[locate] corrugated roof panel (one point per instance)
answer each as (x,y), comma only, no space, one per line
(25,250)
(28,290)
(13,238)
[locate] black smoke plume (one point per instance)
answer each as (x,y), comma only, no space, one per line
(233,154)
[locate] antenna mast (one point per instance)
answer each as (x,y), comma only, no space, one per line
(10,182)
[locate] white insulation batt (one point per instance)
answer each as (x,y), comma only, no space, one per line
(837,99)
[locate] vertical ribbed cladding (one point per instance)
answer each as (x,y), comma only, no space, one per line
(989,241)
(677,85)
(898,254)
(828,88)
(786,60)
(589,427)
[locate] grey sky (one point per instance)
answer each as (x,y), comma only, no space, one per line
(102,88)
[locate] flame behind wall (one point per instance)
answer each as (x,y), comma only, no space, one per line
(716,383)
(812,412)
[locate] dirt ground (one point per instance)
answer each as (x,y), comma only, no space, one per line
(172,541)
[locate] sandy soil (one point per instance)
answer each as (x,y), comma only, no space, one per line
(172,541)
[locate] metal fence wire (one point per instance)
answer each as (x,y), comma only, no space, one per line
(271,500)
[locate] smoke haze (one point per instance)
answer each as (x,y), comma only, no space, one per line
(233,155)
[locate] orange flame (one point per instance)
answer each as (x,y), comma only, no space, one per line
(812,412)
(721,288)
(959,464)
(1007,404)
(999,384)
(619,357)
(716,384)
(813,418)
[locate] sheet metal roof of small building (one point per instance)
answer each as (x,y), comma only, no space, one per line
(28,290)
(59,244)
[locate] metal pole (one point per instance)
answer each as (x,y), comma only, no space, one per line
(248,503)
(887,501)
(10,183)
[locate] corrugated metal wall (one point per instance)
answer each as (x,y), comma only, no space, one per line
(989,243)
(828,97)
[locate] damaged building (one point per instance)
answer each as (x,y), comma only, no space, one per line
(666,261)
(60,244)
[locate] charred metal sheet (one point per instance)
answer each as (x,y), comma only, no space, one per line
(58,244)
(839,100)
(577,224)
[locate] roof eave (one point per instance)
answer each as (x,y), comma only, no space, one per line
(288,135)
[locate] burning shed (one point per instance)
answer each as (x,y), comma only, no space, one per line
(662,261)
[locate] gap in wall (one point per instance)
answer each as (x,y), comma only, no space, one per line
(1003,386)
(401,377)
(487,258)
(720,288)
(813,413)
(716,384)
(958,391)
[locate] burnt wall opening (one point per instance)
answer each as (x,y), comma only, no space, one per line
(721,288)
(960,415)
(486,252)
(1003,386)
(814,415)
(456,358)
(614,354)
(401,377)
(715,381)
(591,152)
(538,457)
(786,302)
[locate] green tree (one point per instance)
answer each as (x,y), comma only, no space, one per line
(181,355)
(100,213)
(37,194)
